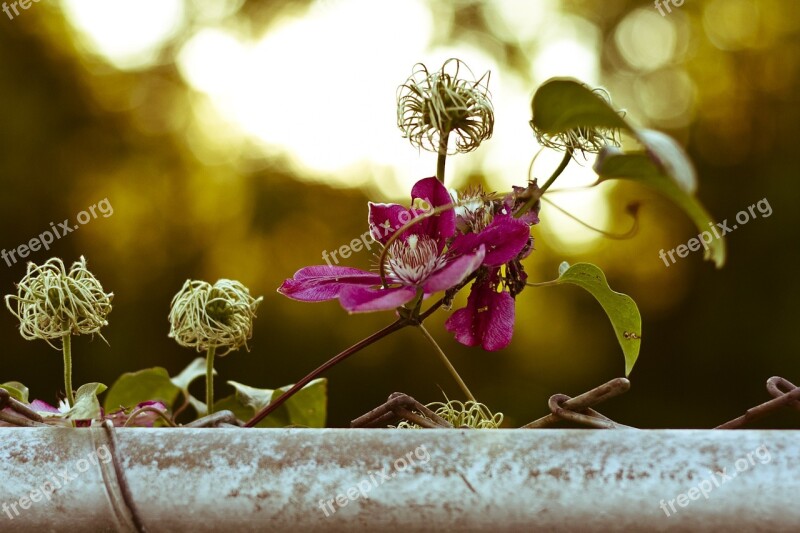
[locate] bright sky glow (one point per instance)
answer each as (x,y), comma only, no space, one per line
(320,87)
(128,33)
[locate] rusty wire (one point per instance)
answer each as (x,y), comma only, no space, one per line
(22,416)
(578,410)
(784,393)
(219,419)
(399,406)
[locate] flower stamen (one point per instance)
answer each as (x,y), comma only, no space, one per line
(411,261)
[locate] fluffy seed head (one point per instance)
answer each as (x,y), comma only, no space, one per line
(431,105)
(462,414)
(219,315)
(52,302)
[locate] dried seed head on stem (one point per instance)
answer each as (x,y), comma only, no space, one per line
(52,303)
(220,315)
(435,106)
(207,317)
(581,139)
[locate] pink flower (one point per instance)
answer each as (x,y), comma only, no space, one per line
(417,261)
(479,236)
(488,318)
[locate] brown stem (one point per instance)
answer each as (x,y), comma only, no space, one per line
(538,194)
(442,159)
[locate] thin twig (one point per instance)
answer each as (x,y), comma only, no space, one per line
(762,410)
(527,206)
(616,236)
(67,349)
(210,379)
(447,363)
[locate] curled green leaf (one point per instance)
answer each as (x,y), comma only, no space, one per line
(581,117)
(568,108)
(16,390)
(86,407)
(620,308)
(641,167)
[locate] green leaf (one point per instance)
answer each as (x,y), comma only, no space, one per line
(196,369)
(133,388)
(16,390)
(252,397)
(670,158)
(86,407)
(199,406)
(667,170)
(307,408)
(230,403)
(620,308)
(563,104)
(188,375)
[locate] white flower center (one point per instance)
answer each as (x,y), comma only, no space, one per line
(413,260)
(63,406)
(475,211)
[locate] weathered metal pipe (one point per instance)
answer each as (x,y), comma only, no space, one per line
(61,479)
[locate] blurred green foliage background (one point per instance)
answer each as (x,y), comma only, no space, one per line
(241,138)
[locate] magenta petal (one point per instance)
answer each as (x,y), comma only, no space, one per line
(43,407)
(431,190)
(320,283)
(465,243)
(504,239)
(487,320)
(455,271)
(148,418)
(532,216)
(385,219)
(439,227)
(365,299)
(161,406)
